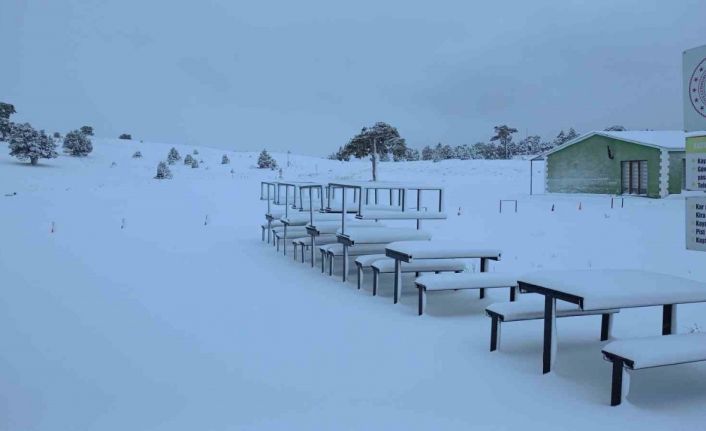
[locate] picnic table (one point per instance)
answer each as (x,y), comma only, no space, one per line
(608,289)
(407,251)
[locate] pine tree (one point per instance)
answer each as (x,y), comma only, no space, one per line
(225,160)
(194,163)
(163,172)
(137,155)
(188,160)
(265,161)
(173,156)
(125,136)
(77,144)
(504,135)
(87,130)
(196,152)
(28,144)
(427,153)
(6,110)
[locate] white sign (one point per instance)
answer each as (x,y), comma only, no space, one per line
(696,223)
(696,162)
(694,72)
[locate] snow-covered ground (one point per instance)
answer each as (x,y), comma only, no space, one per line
(153,305)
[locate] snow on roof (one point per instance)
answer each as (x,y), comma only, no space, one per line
(662,139)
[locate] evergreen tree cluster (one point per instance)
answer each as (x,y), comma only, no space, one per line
(265,161)
(163,171)
(26,143)
(173,156)
(77,143)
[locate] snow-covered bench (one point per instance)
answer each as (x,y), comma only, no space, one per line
(284,233)
(305,242)
(356,236)
(650,352)
(325,228)
(331,251)
(267,227)
(532,308)
(365,262)
(463,281)
(401,215)
(387,266)
(407,251)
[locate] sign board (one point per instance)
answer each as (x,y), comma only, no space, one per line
(696,162)
(696,223)
(694,72)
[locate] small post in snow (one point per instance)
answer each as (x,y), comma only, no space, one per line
(122,224)
(53,227)
(205,222)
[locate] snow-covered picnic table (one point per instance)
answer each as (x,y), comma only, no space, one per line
(407,251)
(376,235)
(608,289)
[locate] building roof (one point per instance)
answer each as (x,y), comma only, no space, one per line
(663,139)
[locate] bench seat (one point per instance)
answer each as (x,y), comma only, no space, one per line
(365,261)
(650,352)
(387,266)
(401,215)
(305,241)
(532,308)
(331,251)
(463,281)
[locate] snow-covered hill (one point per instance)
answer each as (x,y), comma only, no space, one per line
(133,303)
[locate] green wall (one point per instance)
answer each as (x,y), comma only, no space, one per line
(676,169)
(586,168)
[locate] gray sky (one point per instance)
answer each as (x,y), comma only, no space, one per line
(307,75)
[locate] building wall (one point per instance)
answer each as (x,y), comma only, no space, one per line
(586,168)
(676,171)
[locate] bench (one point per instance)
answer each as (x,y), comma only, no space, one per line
(462,281)
(365,262)
(285,233)
(532,308)
(305,242)
(387,266)
(401,215)
(331,251)
(267,227)
(650,352)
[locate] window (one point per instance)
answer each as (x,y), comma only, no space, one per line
(634,177)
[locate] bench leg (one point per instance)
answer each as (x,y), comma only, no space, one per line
(345,263)
(549,354)
(606,326)
(422,299)
(263,234)
(620,385)
(398,280)
(494,333)
(323,262)
(330,258)
(360,276)
(481,293)
(302,253)
(295,252)
(284,239)
(313,251)
(669,319)
(376,277)
(269,231)
(513,294)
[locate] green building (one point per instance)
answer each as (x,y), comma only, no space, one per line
(642,163)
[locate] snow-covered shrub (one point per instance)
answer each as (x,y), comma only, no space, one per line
(125,136)
(196,152)
(28,144)
(225,160)
(265,161)
(188,160)
(137,155)
(112,165)
(194,163)
(163,171)
(173,156)
(87,130)
(77,144)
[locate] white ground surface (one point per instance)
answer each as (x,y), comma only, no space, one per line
(174,324)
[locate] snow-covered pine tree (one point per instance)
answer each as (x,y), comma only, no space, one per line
(173,156)
(265,161)
(87,130)
(196,152)
(163,172)
(77,144)
(28,144)
(125,136)
(225,160)
(137,155)
(427,153)
(6,110)
(188,160)
(194,163)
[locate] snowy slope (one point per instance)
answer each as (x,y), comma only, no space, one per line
(175,322)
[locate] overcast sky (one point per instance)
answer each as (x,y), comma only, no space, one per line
(307,75)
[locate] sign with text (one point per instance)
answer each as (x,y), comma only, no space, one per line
(696,162)
(696,223)
(694,72)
